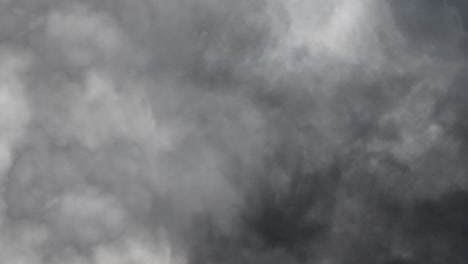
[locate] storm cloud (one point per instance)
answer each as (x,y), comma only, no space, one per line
(233,131)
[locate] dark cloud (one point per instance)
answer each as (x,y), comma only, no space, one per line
(157,131)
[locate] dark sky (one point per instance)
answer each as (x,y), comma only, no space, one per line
(233,131)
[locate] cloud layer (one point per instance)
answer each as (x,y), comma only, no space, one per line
(157,131)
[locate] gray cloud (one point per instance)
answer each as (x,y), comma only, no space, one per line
(156,131)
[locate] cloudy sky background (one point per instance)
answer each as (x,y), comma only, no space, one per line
(222,131)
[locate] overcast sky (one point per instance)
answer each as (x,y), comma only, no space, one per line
(233,131)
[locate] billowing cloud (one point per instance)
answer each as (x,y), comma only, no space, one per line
(157,131)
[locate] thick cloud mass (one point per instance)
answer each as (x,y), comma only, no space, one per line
(233,131)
